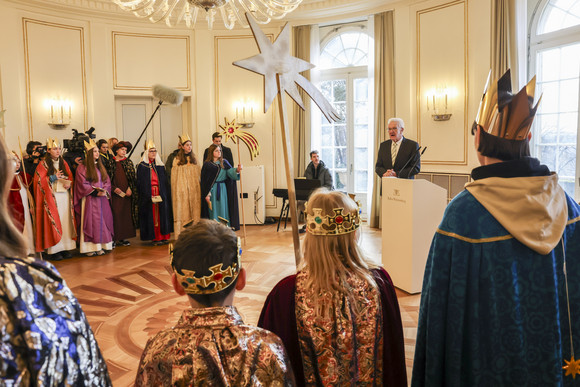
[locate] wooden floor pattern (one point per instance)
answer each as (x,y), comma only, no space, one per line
(127,294)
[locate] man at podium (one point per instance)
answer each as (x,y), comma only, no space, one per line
(495,306)
(398,156)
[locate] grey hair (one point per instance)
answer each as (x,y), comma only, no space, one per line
(399,121)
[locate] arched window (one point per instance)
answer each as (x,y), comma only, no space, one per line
(555,59)
(343,76)
(345,50)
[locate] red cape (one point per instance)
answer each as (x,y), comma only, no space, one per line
(15,200)
(48,226)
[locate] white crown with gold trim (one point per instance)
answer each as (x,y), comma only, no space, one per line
(336,224)
(210,284)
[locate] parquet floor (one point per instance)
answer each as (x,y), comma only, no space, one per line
(127,294)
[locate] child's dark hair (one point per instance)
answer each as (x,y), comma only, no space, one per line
(201,246)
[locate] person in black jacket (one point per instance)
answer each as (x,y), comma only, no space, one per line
(394,154)
(216,138)
(317,170)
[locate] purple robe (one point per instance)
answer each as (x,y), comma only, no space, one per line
(98,222)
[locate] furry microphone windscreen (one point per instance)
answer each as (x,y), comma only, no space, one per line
(167,94)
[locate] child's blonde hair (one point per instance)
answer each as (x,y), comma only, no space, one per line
(330,258)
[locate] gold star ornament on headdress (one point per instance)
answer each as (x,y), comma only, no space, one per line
(274,58)
(233,131)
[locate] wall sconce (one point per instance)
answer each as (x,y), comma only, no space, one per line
(246,119)
(437,104)
(60,113)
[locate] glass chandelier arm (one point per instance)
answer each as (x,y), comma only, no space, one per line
(134,5)
(175,12)
(166,14)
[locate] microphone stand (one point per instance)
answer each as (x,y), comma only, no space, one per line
(416,161)
(146,126)
(408,161)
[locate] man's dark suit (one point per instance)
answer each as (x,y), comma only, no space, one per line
(407,149)
(226,154)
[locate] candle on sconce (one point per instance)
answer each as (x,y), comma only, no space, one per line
(244,113)
(251,113)
(69,112)
(434,106)
(445,101)
(51,111)
(61,113)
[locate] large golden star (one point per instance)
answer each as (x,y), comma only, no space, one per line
(572,367)
(274,58)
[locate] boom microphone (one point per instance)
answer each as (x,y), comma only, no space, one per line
(168,94)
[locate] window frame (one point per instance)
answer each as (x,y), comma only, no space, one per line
(545,41)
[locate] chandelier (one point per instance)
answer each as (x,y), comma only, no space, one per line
(174,12)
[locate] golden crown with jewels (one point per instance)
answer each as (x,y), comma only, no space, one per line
(210,284)
(149,144)
(336,224)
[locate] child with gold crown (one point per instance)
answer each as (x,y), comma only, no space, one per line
(92,207)
(338,316)
(211,345)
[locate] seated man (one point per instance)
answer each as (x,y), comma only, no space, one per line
(317,170)
(210,345)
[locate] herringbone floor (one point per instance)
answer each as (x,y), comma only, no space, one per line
(127,294)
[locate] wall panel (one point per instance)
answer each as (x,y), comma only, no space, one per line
(234,84)
(142,60)
(442,62)
(55,69)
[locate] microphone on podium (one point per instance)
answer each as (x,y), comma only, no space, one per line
(416,160)
(408,161)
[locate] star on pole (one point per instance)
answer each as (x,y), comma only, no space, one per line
(274,58)
(234,131)
(572,367)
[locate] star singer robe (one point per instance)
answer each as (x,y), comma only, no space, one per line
(48,225)
(146,225)
(46,339)
(493,311)
(209,177)
(98,219)
(279,316)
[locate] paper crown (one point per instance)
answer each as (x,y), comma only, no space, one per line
(149,144)
(210,284)
(52,143)
(336,224)
(184,138)
(504,114)
(90,145)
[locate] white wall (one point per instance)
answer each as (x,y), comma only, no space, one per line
(73,56)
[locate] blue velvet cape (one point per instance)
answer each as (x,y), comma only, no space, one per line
(494,312)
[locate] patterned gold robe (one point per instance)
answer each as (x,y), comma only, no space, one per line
(213,347)
(186,195)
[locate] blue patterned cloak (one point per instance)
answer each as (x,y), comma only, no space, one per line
(493,308)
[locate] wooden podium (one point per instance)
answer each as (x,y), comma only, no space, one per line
(411,213)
